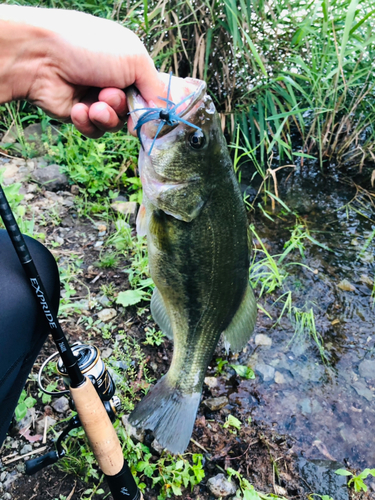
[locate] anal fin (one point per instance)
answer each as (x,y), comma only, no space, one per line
(160,315)
(242,325)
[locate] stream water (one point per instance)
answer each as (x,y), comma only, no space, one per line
(327,407)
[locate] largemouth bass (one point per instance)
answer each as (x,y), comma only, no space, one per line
(198,255)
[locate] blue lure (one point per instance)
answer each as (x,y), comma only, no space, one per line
(167,115)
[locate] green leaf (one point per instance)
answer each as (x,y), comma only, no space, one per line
(130,297)
(20,411)
(232,422)
(343,472)
(176,489)
(243,371)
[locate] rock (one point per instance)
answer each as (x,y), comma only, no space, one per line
(107,314)
(367,368)
(3,476)
(44,422)
(6,496)
(106,352)
(262,339)
(74,189)
(33,136)
(10,136)
(346,286)
(127,208)
(363,390)
(211,382)
(103,300)
(157,446)
(267,371)
(50,177)
(305,406)
(61,405)
(279,378)
(133,432)
(215,404)
(220,486)
(26,449)
(321,478)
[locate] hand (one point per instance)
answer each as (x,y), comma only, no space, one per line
(74,66)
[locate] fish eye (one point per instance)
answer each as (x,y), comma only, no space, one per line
(197,139)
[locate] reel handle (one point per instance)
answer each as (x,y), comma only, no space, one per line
(37,464)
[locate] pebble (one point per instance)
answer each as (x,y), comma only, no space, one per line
(211,382)
(215,404)
(44,422)
(26,449)
(3,476)
(279,378)
(107,314)
(367,368)
(267,371)
(262,339)
(106,353)
(61,405)
(363,390)
(220,486)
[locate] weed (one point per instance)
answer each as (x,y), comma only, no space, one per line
(153,337)
(24,402)
(357,481)
(232,423)
(243,371)
(107,260)
(220,363)
(247,491)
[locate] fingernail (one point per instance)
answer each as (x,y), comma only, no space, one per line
(105,116)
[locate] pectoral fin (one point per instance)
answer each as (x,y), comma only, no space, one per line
(242,325)
(141,222)
(160,315)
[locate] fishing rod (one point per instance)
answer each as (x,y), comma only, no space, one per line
(92,412)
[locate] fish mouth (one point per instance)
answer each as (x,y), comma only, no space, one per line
(185,94)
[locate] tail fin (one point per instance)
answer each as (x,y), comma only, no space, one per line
(169,414)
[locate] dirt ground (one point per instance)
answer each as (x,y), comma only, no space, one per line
(265,458)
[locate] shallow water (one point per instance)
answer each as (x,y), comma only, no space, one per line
(327,408)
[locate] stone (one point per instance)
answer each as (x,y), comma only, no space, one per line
(131,431)
(129,208)
(103,300)
(106,353)
(43,422)
(367,368)
(346,286)
(267,371)
(262,339)
(215,404)
(74,189)
(33,137)
(107,314)
(211,382)
(220,486)
(61,405)
(6,496)
(50,177)
(26,449)
(305,406)
(363,390)
(321,478)
(279,378)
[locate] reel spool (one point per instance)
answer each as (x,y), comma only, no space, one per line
(91,365)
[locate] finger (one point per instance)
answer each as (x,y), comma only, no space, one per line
(82,122)
(116,99)
(104,117)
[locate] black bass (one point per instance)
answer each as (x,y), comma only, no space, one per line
(198,255)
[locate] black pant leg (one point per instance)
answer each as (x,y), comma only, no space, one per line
(23,328)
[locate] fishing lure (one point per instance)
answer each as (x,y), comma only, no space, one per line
(167,115)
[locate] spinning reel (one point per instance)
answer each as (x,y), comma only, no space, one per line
(93,367)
